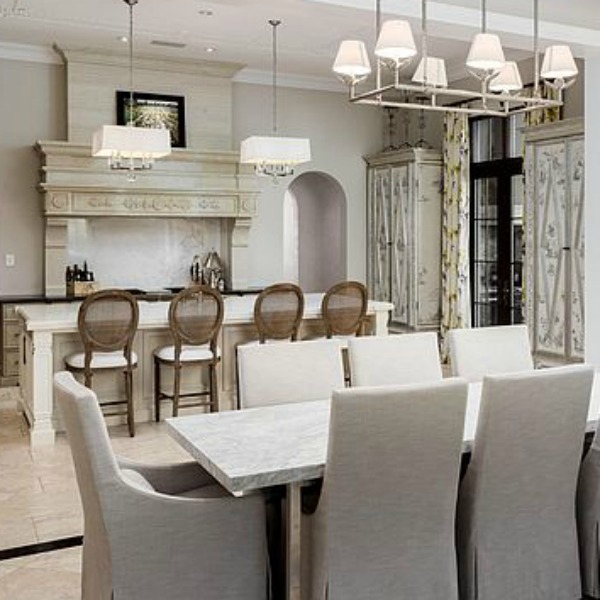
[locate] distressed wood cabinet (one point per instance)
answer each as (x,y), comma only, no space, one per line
(404,235)
(554,246)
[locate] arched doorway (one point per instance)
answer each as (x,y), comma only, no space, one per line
(315,231)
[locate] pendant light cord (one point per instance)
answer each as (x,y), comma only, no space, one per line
(536,48)
(274,24)
(483,16)
(131,4)
(424,34)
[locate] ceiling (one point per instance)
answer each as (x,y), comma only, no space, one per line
(308,37)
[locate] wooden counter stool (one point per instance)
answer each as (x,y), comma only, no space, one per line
(195,319)
(278,312)
(344,308)
(107,324)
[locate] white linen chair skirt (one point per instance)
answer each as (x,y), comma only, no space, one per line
(588,520)
(384,525)
(516,530)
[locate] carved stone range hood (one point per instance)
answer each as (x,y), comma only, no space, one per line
(188,184)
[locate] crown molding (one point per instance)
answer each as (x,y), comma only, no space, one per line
(29,53)
(304,82)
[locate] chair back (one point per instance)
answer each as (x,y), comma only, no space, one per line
(344,308)
(516,515)
(389,492)
(195,317)
(278,311)
(281,373)
(95,468)
(394,359)
(482,351)
(107,322)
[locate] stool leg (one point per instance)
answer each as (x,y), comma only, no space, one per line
(176,388)
(129,392)
(213,388)
(156,390)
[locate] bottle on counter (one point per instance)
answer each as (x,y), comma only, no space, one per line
(69,274)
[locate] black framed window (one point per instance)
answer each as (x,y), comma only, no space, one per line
(496,221)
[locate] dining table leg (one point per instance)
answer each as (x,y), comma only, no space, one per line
(293,516)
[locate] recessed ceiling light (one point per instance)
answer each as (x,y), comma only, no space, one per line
(210,49)
(123,38)
(205,12)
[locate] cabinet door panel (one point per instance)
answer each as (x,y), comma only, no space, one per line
(577,244)
(551,236)
(379,234)
(428,252)
(402,233)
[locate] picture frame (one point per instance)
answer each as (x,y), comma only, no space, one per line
(154,110)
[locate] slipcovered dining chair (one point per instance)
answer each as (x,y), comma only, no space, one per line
(384,524)
(394,359)
(195,319)
(107,322)
(157,532)
(482,351)
(278,312)
(516,530)
(588,519)
(280,373)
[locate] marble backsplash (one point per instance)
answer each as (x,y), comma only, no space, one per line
(141,253)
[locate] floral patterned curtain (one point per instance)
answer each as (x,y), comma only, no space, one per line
(456,301)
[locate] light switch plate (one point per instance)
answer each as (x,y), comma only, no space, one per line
(9,260)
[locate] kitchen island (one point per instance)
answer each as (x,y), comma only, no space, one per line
(49,334)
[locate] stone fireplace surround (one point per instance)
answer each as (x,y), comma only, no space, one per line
(187,184)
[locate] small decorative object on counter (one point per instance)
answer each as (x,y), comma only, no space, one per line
(213,271)
(80,282)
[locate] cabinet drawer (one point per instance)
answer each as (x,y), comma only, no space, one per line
(9,312)
(11,363)
(11,335)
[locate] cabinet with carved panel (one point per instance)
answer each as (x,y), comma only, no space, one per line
(404,235)
(554,246)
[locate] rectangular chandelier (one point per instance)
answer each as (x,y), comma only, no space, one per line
(500,81)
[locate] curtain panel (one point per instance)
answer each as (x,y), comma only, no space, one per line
(456,288)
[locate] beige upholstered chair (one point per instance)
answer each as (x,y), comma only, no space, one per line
(107,324)
(157,532)
(343,309)
(395,359)
(588,519)
(278,312)
(384,524)
(195,319)
(475,353)
(298,372)
(516,531)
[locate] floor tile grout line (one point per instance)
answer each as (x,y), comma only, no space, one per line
(41,547)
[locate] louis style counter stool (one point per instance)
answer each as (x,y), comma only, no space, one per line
(107,324)
(195,319)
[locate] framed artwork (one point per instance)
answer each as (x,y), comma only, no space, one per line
(154,110)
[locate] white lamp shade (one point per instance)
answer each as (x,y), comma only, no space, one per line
(274,150)
(558,63)
(131,142)
(396,41)
(352,60)
(486,53)
(508,80)
(436,72)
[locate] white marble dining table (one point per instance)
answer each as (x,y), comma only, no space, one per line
(286,444)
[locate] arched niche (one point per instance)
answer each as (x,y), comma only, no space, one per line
(315,240)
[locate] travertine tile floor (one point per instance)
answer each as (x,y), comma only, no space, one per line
(39,501)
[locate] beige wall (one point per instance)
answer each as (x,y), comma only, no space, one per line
(33,108)
(340,135)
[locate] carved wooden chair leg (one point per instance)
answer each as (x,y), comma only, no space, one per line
(213,388)
(156,390)
(129,394)
(176,388)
